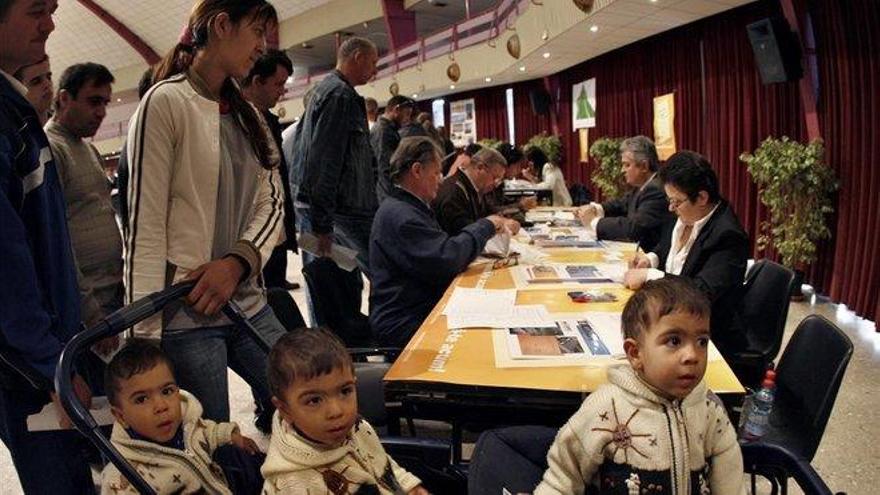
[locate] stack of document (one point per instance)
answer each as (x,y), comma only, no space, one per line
(486,308)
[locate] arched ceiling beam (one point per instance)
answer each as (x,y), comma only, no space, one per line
(123,31)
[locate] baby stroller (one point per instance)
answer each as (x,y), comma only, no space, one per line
(427,459)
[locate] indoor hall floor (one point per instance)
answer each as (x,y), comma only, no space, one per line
(847,459)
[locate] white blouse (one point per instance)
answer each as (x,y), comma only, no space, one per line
(677,257)
(552,178)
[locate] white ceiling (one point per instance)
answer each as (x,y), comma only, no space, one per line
(80,36)
(619,22)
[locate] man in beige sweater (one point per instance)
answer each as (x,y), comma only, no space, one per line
(80,106)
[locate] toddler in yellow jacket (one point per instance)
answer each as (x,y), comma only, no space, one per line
(319,443)
(655,427)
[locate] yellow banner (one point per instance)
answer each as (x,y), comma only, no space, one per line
(664,125)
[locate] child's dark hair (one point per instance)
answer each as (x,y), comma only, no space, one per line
(658,298)
(303,354)
(136,356)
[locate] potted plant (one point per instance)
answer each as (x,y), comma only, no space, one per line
(796,186)
(550,145)
(608,174)
(489,143)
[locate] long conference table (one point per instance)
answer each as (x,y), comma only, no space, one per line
(451,374)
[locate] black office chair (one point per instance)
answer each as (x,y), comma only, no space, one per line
(285,308)
(580,195)
(776,465)
(336,300)
(763,312)
(807,380)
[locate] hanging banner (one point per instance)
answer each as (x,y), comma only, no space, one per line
(583,105)
(462,122)
(664,125)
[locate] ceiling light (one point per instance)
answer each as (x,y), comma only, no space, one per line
(452,86)
(488,79)
(546,55)
(118,100)
(594,28)
(522,68)
(415,95)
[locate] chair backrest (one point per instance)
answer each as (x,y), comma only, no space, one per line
(764,306)
(811,369)
(580,195)
(285,308)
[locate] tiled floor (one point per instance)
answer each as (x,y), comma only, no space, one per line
(848,459)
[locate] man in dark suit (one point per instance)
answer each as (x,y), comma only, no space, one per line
(385,137)
(640,215)
(461,199)
(706,245)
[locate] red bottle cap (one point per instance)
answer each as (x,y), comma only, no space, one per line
(770,375)
(768,384)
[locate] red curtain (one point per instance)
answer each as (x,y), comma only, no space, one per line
(490,109)
(849,103)
(722,110)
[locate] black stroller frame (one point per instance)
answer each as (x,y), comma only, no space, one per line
(113,324)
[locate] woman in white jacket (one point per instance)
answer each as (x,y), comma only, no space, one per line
(551,176)
(205,202)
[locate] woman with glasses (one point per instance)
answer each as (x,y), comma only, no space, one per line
(706,244)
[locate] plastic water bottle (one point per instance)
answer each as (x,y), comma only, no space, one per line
(759,410)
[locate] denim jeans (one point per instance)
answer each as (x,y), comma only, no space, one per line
(354,232)
(46,461)
(201,355)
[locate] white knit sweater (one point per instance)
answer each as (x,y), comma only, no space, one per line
(297,466)
(627,439)
(170,470)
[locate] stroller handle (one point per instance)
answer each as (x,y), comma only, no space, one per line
(111,325)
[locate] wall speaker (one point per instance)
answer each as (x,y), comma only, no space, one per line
(541,101)
(777,51)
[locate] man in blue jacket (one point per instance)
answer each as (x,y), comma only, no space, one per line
(413,260)
(39,298)
(338,167)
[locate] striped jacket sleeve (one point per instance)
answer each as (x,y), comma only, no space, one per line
(267,224)
(150,148)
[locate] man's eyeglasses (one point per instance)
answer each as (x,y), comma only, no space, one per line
(506,262)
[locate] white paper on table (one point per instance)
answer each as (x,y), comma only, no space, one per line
(563,215)
(344,257)
(528,255)
(488,302)
(47,418)
(525,316)
(503,359)
(498,245)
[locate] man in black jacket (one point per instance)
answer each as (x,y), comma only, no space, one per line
(412,259)
(339,170)
(385,136)
(640,215)
(706,245)
(461,199)
(263,87)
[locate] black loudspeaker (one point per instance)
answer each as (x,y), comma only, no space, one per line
(541,101)
(777,51)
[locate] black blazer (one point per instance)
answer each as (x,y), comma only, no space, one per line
(638,216)
(458,204)
(716,264)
